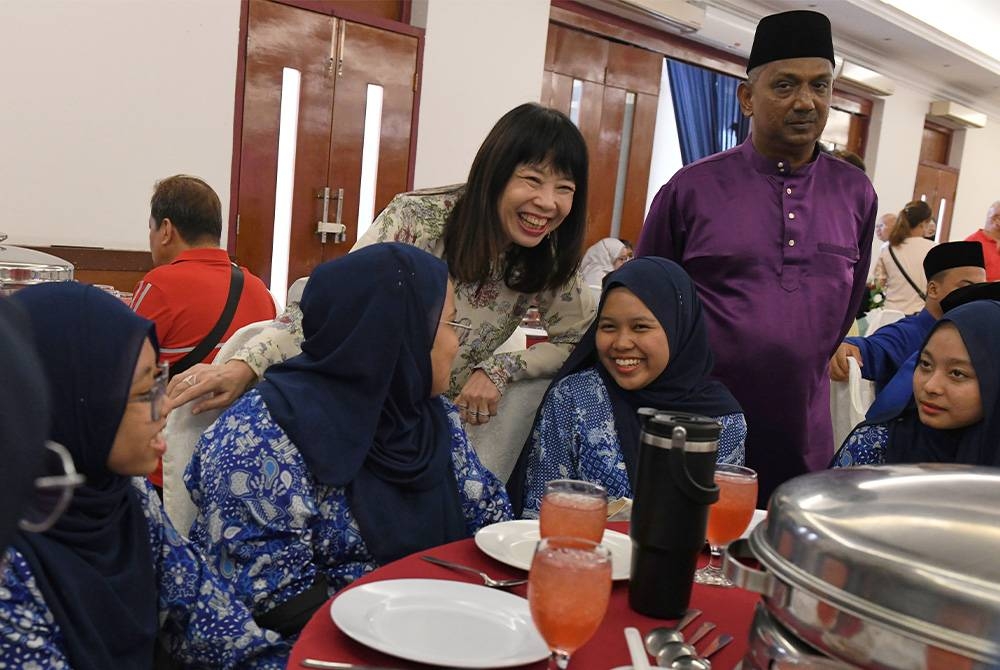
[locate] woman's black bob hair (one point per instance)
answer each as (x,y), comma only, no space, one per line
(474,237)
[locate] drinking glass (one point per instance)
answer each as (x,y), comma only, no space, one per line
(727,518)
(568,590)
(573,508)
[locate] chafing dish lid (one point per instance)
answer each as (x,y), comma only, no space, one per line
(26,266)
(915,547)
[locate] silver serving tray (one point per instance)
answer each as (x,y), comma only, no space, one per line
(21,267)
(884,566)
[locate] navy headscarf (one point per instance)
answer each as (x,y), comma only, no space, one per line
(684,386)
(24,417)
(910,441)
(357,401)
(95,566)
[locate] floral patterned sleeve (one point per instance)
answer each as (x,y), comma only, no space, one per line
(484,498)
(566,313)
(276,343)
(575,437)
(880,275)
(257,506)
(865,445)
(29,635)
(202,621)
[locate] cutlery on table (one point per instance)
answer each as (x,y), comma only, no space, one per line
(658,637)
(487,580)
(672,651)
(635,649)
(701,662)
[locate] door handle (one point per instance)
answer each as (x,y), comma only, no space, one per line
(335,228)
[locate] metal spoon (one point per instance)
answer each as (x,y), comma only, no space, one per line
(658,637)
(674,650)
(696,662)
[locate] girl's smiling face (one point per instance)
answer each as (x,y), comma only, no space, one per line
(631,344)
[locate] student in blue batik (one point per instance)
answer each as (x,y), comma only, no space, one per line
(647,348)
(953,414)
(346,456)
(111,584)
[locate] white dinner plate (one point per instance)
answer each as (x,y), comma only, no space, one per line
(442,622)
(513,543)
(758,516)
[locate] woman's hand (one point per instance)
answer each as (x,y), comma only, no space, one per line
(478,400)
(222,383)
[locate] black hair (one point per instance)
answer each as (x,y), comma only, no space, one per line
(192,207)
(474,237)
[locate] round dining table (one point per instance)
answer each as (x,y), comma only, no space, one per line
(730,609)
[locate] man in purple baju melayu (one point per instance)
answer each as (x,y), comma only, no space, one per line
(777,236)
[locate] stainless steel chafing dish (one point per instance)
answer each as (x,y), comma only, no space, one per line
(883,567)
(23,267)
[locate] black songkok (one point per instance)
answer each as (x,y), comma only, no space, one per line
(797,34)
(948,255)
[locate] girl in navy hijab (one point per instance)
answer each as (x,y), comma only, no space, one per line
(111,584)
(647,348)
(345,456)
(954,413)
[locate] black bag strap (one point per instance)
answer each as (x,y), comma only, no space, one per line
(923,296)
(197,355)
(291,616)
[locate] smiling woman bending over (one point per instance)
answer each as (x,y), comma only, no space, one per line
(512,236)
(648,348)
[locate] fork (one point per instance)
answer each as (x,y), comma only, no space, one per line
(487,580)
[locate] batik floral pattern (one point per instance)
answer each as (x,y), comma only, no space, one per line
(575,437)
(864,446)
(269,526)
(202,624)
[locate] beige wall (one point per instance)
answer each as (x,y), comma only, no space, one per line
(110,95)
(101,98)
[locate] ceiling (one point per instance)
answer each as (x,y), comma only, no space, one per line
(878,36)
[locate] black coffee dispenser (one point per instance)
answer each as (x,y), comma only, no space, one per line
(675,485)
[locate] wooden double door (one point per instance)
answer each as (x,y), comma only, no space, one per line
(610,90)
(339,61)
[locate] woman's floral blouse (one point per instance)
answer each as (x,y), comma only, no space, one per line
(269,526)
(202,623)
(492,309)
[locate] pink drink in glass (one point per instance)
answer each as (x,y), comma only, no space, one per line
(568,590)
(572,508)
(730,516)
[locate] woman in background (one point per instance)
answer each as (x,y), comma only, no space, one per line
(345,457)
(602,258)
(899,269)
(512,236)
(647,348)
(954,414)
(111,584)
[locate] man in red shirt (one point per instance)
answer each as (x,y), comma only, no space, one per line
(186,291)
(989,237)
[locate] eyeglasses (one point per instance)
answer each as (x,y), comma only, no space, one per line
(53,490)
(155,395)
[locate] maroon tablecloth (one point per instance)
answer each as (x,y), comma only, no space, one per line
(730,609)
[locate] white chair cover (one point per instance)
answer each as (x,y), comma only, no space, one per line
(183,431)
(849,402)
(498,443)
(881,317)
